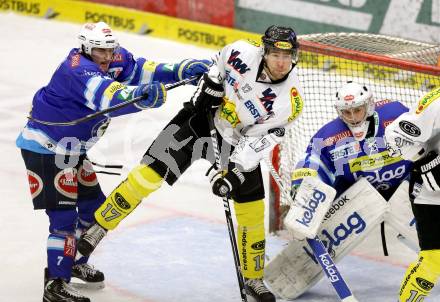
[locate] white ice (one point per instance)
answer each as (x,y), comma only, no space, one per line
(175,246)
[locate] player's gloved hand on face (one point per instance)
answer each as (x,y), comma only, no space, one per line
(154,95)
(223,184)
(190,67)
(208,95)
(429,167)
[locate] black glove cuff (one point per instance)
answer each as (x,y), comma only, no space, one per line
(212,88)
(235,177)
(428,163)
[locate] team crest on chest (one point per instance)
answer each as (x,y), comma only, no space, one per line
(236,63)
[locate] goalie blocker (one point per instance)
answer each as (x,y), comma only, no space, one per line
(311,203)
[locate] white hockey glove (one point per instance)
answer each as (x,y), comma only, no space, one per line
(429,168)
(312,201)
(399,144)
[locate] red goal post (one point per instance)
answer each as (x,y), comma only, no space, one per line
(393,68)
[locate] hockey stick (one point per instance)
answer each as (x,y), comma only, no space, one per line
(229,221)
(322,256)
(110,109)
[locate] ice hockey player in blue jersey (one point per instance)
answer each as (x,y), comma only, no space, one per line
(352,145)
(97,75)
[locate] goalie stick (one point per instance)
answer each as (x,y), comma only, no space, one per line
(228,216)
(322,256)
(110,109)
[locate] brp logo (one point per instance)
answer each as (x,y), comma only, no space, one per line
(410,128)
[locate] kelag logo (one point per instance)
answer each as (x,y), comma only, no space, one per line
(20,6)
(334,237)
(311,206)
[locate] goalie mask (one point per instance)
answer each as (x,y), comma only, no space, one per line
(354,104)
(96,35)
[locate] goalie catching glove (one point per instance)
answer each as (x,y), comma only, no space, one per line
(429,168)
(224,183)
(311,203)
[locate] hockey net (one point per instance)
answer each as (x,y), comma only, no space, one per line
(393,68)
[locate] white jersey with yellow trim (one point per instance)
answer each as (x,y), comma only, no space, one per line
(414,134)
(256,111)
(417,129)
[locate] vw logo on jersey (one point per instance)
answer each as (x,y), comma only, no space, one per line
(235,62)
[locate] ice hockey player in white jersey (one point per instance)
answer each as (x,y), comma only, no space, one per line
(416,136)
(254,93)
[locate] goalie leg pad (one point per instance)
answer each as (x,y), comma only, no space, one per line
(141,181)
(351,217)
(420,277)
(251,238)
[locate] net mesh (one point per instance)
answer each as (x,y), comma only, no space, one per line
(335,58)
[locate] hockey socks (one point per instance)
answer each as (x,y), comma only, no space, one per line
(250,237)
(141,181)
(420,277)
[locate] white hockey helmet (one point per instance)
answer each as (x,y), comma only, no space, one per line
(96,35)
(350,96)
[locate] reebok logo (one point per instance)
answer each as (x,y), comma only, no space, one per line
(311,206)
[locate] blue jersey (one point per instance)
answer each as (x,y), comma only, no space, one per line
(78,88)
(339,160)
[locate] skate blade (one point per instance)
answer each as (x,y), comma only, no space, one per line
(80,284)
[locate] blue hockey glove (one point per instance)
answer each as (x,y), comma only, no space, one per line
(154,94)
(223,184)
(189,67)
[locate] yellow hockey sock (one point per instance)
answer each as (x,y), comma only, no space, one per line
(251,237)
(140,182)
(420,277)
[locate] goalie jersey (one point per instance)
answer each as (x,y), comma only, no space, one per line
(339,160)
(256,111)
(89,90)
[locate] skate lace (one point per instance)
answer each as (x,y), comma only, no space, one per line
(257,286)
(86,269)
(95,235)
(68,289)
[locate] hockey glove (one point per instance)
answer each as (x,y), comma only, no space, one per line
(429,168)
(224,184)
(154,95)
(189,68)
(208,95)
